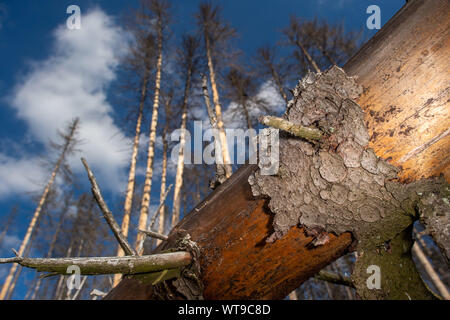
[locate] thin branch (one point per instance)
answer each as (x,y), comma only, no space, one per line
(334,278)
(440,286)
(161,203)
(154,234)
(107,265)
(294,129)
(107,214)
(140,247)
(75,296)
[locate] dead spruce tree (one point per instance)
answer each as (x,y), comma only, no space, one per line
(66,148)
(321,44)
(158,10)
(179,263)
(216,35)
(188,64)
(140,62)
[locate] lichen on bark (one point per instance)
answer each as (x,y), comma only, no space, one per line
(339,184)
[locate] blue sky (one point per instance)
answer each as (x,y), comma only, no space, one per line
(37,50)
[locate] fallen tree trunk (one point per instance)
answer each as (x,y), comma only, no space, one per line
(403,70)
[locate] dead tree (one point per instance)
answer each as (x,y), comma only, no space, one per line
(140,61)
(189,63)
(215,34)
(69,142)
(155,9)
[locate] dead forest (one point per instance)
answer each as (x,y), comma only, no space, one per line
(362,178)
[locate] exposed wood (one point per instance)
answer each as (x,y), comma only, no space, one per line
(404,70)
(294,129)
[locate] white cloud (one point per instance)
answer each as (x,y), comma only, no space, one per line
(19,176)
(71,83)
(233,116)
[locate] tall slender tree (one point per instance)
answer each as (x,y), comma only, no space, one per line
(188,64)
(140,61)
(67,147)
(155,10)
(162,210)
(216,34)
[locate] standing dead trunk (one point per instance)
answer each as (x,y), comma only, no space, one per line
(50,250)
(143,217)
(221,172)
(162,210)
(214,30)
(189,50)
(132,173)
(218,111)
(69,139)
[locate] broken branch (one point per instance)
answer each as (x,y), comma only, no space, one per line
(106,213)
(292,128)
(155,235)
(107,265)
(334,278)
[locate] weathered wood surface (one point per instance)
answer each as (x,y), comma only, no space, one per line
(404,72)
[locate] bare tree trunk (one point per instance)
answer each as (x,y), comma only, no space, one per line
(221,171)
(218,110)
(180,162)
(132,172)
(162,210)
(50,252)
(37,212)
(142,225)
(19,270)
(276,77)
(308,56)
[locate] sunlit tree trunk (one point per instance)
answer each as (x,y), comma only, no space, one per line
(132,172)
(142,225)
(38,210)
(162,210)
(180,162)
(218,110)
